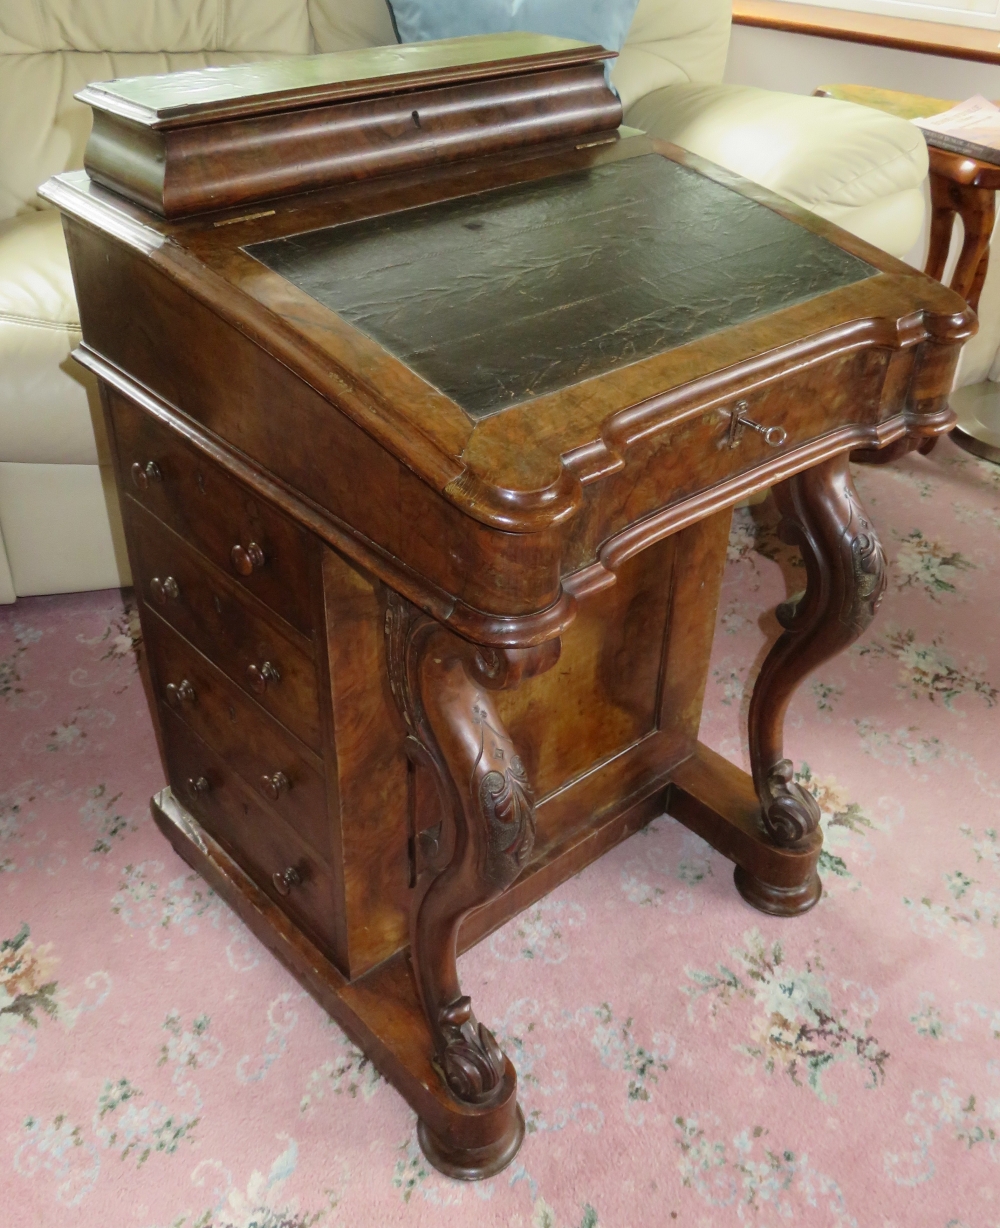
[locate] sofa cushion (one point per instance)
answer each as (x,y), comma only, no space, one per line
(341,26)
(672,41)
(43,129)
(49,49)
(832,157)
(46,413)
(62,529)
(601,22)
(153,26)
(668,41)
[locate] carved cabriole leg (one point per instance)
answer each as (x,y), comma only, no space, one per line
(845,570)
(442,686)
(977,209)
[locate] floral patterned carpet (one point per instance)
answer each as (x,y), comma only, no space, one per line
(682,1059)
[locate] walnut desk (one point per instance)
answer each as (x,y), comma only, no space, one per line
(427,440)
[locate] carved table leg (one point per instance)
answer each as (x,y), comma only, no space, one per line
(441,685)
(845,571)
(942,223)
(977,209)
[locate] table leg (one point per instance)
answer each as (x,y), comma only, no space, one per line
(845,570)
(943,211)
(442,686)
(977,209)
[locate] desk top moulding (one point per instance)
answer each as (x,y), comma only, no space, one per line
(428,426)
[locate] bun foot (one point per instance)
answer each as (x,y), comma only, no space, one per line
(473,1163)
(778,901)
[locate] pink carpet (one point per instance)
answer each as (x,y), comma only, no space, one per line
(682,1059)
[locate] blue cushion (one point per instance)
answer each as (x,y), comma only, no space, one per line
(591,21)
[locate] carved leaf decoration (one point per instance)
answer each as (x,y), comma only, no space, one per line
(472,1062)
(869,571)
(399,617)
(792,814)
(505,798)
(869,579)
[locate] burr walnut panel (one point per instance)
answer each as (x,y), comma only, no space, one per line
(799,408)
(273,763)
(255,649)
(372,776)
(609,664)
(267,848)
(245,537)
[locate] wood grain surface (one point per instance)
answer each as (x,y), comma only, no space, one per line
(872,29)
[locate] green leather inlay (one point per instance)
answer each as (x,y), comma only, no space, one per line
(504,296)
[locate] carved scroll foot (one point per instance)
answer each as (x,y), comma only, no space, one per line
(442,687)
(845,574)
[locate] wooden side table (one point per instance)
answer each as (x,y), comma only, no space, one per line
(960,185)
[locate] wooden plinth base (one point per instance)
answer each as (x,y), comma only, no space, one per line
(716,799)
(466,1165)
(381,1012)
(778,901)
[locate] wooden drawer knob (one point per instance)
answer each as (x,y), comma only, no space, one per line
(285,880)
(260,675)
(164,590)
(142,475)
(247,560)
(274,786)
(182,693)
(199,784)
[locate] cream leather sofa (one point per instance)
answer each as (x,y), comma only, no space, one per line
(58,516)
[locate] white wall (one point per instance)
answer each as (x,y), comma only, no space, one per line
(797,63)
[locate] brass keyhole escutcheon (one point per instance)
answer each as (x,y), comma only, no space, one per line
(285,880)
(142,474)
(774,436)
(260,675)
(164,590)
(247,559)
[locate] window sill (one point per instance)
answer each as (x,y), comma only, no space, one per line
(932,38)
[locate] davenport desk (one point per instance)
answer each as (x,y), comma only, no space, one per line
(431,391)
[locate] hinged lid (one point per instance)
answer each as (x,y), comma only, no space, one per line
(188,142)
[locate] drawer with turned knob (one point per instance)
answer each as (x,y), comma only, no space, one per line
(280,770)
(271,852)
(259,653)
(247,538)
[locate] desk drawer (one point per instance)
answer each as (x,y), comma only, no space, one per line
(248,539)
(262,844)
(273,763)
(215,615)
(694,452)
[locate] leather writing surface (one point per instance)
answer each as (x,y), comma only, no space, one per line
(513,293)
